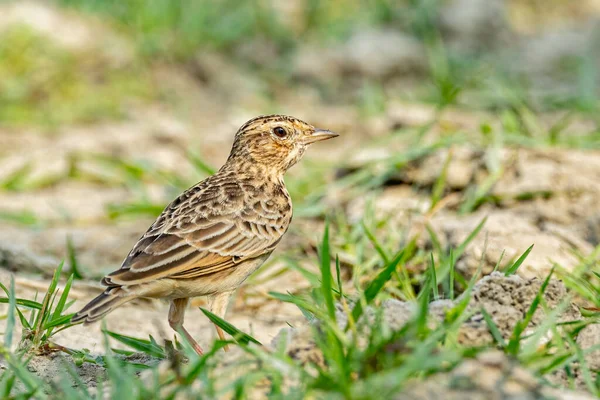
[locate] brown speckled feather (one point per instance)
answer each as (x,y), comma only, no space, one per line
(212,226)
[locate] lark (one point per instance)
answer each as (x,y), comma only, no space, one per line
(218,232)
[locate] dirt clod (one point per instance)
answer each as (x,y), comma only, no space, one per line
(490,376)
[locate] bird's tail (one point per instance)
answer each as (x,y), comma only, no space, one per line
(110,299)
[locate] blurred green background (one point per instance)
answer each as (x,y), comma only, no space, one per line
(79,61)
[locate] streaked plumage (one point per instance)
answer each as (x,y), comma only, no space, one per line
(215,234)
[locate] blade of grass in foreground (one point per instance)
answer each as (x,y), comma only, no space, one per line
(45,310)
(7,381)
(326,278)
(375,243)
(21,302)
(31,382)
(10,319)
(145,346)
(550,321)
(423,303)
(311,311)
(339,277)
(310,276)
(230,329)
(587,374)
(63,298)
(56,318)
(452,272)
(376,285)
(58,321)
(496,334)
(433,277)
(514,344)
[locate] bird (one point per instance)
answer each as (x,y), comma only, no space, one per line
(215,234)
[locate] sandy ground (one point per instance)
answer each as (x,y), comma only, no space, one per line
(562,225)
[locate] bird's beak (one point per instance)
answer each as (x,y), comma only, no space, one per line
(319,135)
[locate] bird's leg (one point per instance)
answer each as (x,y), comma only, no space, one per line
(176,313)
(217,304)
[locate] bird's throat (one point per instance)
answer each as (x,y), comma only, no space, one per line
(248,169)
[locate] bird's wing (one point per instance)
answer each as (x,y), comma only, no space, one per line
(209,228)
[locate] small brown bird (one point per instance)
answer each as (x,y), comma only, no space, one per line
(218,232)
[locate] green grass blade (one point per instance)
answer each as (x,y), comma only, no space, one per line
(310,276)
(21,302)
(142,208)
(326,278)
(71,385)
(497,266)
(423,302)
(145,346)
(20,217)
(311,311)
(382,253)
(376,285)
(550,320)
(305,306)
(238,335)
(72,253)
(435,241)
(339,276)
(434,284)
(34,312)
(10,319)
(514,344)
(384,276)
(44,311)
(587,374)
(31,382)
(496,334)
(515,267)
(459,310)
(7,382)
(63,298)
(201,365)
(462,247)
(22,318)
(58,321)
(440,183)
(69,304)
(16,180)
(122,352)
(199,164)
(452,272)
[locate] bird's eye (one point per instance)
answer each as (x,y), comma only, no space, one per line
(280,132)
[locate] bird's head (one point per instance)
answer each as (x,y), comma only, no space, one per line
(276,142)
